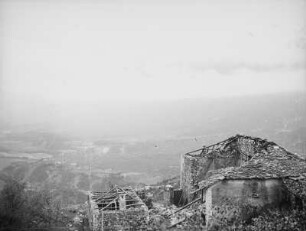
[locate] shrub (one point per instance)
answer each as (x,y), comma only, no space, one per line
(23,208)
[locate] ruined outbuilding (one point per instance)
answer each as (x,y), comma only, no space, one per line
(115,209)
(243,170)
(196,165)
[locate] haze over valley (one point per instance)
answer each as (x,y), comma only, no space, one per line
(145,145)
(102,93)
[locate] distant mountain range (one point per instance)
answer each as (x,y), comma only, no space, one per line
(260,115)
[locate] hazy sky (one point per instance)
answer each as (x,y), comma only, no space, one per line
(113,49)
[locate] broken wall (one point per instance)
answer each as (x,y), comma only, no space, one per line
(93,213)
(193,170)
(246,146)
(196,168)
(129,219)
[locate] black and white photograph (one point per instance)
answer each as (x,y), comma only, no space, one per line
(147,115)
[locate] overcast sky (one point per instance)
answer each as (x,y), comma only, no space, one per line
(146,50)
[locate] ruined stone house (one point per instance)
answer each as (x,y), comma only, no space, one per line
(115,209)
(242,170)
(196,165)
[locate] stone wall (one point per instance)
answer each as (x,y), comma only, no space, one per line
(195,169)
(228,194)
(93,214)
(129,219)
(246,146)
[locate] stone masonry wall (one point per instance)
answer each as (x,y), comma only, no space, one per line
(246,146)
(193,170)
(124,220)
(196,169)
(94,215)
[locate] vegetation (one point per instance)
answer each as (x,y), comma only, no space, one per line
(243,217)
(24,209)
(248,218)
(275,220)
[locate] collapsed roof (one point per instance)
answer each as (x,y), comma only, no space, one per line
(117,198)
